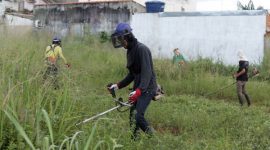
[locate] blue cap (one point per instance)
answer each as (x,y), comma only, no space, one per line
(122,27)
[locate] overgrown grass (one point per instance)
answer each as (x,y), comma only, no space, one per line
(35,116)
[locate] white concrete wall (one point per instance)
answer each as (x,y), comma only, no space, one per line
(2,9)
(217,37)
(17,21)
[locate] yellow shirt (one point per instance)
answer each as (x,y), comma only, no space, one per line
(53,52)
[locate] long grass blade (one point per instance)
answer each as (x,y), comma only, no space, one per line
(74,137)
(63,142)
(90,138)
(46,143)
(98,144)
(48,122)
(20,129)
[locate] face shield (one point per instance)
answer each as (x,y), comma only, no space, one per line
(118,40)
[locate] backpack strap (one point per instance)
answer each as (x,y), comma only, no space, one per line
(47,58)
(51,49)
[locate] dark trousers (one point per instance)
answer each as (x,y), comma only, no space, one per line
(241,92)
(137,120)
(51,72)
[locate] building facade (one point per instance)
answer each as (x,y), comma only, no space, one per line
(80,18)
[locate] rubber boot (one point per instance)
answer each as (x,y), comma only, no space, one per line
(150,132)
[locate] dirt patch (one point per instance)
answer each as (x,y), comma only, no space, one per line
(174,130)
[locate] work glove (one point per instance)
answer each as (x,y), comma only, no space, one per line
(113,87)
(133,96)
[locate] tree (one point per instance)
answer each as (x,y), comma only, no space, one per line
(260,8)
(249,6)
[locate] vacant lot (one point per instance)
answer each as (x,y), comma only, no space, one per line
(35,116)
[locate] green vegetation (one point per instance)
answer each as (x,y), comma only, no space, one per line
(34,116)
(249,6)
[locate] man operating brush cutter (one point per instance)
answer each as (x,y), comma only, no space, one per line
(242,78)
(255,72)
(141,72)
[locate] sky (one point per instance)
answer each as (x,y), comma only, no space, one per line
(217,5)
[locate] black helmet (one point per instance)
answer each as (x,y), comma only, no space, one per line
(56,40)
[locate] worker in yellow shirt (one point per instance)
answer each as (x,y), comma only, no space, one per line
(52,54)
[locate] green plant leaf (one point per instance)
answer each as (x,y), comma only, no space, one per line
(20,130)
(48,122)
(86,147)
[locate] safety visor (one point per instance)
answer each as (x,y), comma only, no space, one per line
(118,40)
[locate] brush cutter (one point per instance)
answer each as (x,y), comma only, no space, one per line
(219,89)
(105,112)
(120,104)
(255,73)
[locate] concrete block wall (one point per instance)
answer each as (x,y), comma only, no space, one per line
(215,35)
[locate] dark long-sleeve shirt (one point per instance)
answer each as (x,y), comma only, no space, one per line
(243,65)
(140,66)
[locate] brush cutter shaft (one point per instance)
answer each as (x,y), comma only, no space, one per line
(100,114)
(254,75)
(220,89)
(122,103)
(105,112)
